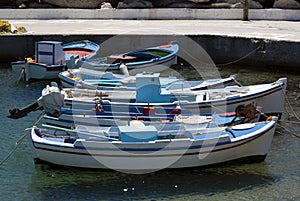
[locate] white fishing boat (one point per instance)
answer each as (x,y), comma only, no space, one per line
(210,101)
(105,80)
(53,57)
(150,93)
(141,149)
(123,119)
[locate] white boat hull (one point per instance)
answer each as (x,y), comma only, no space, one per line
(269,96)
(160,154)
(156,66)
(36,70)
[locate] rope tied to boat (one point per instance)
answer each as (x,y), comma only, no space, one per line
(291,108)
(243,57)
(290,130)
(19,141)
(15,78)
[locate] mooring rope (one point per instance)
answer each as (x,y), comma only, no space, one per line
(12,77)
(235,61)
(14,149)
(290,130)
(19,141)
(291,108)
(23,73)
(288,121)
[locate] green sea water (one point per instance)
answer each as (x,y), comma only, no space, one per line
(277,178)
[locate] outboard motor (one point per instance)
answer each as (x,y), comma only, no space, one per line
(51,101)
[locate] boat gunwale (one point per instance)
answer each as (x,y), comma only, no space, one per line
(251,137)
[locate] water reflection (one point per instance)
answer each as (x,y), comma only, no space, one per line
(61,183)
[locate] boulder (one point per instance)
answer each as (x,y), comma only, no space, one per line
(266,3)
(106,5)
(7,3)
(252,5)
(200,1)
(185,5)
(221,5)
(179,3)
(135,4)
(77,3)
(287,4)
(5,26)
(38,5)
(237,4)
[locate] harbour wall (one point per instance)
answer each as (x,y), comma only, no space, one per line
(222,49)
(238,49)
(152,14)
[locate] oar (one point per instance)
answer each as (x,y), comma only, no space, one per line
(75,131)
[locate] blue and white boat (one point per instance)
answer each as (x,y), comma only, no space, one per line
(105,80)
(150,93)
(68,120)
(153,59)
(141,149)
(53,57)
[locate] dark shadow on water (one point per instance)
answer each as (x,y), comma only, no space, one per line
(63,183)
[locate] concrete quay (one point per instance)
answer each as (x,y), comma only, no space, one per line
(258,42)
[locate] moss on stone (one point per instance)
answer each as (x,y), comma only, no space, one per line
(20,29)
(5,26)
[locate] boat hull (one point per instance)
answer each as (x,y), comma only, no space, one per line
(145,157)
(260,95)
(37,70)
(40,70)
(142,61)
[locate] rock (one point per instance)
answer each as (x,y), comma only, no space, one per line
(22,5)
(286,4)
(39,5)
(200,1)
(20,29)
(184,5)
(237,4)
(77,3)
(221,5)
(106,5)
(7,4)
(163,4)
(266,3)
(5,26)
(135,4)
(179,3)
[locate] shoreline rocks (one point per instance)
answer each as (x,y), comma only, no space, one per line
(123,4)
(7,28)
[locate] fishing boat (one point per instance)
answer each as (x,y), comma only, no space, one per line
(153,59)
(141,149)
(53,57)
(60,115)
(68,120)
(269,96)
(106,80)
